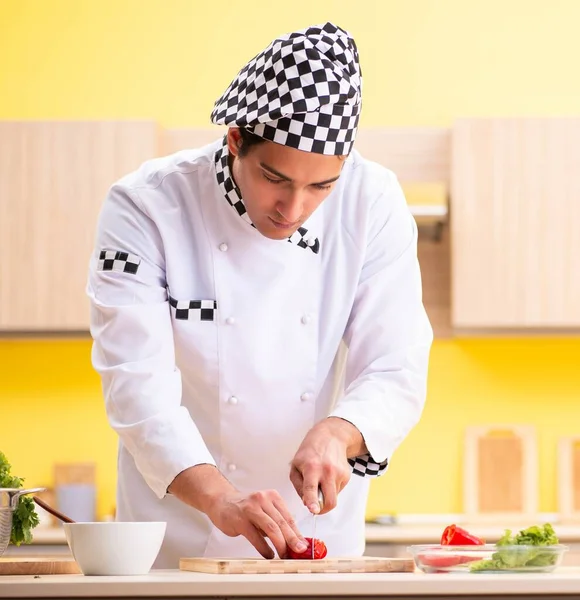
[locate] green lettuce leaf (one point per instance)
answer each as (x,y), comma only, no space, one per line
(507,558)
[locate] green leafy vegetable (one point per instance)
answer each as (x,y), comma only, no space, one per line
(532,536)
(521,550)
(24,518)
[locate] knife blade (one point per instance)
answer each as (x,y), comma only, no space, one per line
(321,504)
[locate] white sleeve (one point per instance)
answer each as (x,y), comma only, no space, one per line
(388,336)
(133,349)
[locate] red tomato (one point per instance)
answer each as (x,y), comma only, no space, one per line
(319,551)
(457,536)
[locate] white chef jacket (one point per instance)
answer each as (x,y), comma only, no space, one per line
(218,345)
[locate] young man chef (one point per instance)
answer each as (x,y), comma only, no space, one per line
(257,317)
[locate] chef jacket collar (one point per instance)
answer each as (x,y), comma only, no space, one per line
(302,237)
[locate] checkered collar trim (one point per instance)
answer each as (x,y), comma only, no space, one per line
(226,182)
(232,193)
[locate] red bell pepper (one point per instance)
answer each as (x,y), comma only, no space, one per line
(453,535)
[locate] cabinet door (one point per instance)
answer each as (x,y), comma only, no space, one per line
(515,220)
(53,179)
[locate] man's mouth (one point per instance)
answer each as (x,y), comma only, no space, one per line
(279,225)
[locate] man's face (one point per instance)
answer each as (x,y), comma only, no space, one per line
(281,186)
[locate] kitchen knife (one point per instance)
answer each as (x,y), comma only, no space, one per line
(321,504)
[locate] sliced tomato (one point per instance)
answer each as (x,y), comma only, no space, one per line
(441,561)
(453,535)
(320,551)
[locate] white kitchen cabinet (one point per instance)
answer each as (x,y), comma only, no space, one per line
(515,221)
(53,179)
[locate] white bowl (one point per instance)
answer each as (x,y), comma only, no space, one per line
(115,548)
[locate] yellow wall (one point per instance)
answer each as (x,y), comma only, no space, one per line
(425,62)
(51,410)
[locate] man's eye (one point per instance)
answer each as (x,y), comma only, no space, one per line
(322,187)
(272,180)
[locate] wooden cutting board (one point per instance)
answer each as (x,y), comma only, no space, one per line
(500,480)
(40,565)
(362,564)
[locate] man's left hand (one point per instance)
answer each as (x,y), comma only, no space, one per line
(321,462)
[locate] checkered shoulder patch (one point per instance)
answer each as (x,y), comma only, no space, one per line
(365,466)
(194,310)
(119,261)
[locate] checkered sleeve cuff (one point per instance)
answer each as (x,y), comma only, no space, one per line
(365,466)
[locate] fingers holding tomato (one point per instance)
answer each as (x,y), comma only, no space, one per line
(320,551)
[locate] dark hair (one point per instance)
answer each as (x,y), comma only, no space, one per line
(248,140)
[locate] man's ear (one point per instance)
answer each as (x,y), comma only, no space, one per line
(234,140)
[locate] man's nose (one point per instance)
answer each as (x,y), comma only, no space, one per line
(291,206)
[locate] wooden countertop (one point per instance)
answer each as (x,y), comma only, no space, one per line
(168,584)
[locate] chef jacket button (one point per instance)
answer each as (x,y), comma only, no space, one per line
(310,242)
(232,467)
(230,320)
(305,319)
(306,396)
(232,400)
(223,247)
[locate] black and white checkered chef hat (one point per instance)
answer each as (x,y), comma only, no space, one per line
(303,91)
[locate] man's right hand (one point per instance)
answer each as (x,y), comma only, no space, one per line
(256,516)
